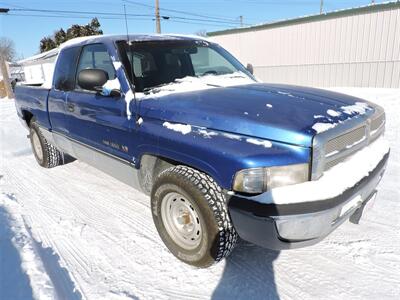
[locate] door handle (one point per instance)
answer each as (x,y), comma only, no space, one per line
(70,107)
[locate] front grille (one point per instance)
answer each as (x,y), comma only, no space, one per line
(333,146)
(377,123)
(334,162)
(345,141)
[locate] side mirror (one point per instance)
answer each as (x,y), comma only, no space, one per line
(92,79)
(250,68)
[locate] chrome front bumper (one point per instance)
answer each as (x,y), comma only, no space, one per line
(285,226)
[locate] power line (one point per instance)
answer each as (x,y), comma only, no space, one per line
(236,22)
(111,18)
(182,12)
(72,17)
(77,12)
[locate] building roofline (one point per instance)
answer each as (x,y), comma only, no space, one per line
(311,18)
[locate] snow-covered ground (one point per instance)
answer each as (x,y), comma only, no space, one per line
(72,232)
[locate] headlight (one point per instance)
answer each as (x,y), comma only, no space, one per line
(258,180)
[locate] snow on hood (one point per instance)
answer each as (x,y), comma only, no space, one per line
(182,128)
(350,110)
(190,84)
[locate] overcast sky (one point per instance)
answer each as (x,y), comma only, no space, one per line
(186,16)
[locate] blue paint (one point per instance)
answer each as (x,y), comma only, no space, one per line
(282,114)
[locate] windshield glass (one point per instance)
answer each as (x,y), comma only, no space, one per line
(156,63)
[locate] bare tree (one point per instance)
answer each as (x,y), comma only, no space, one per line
(7,49)
(201,32)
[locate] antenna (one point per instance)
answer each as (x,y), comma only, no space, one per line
(126,25)
(131,67)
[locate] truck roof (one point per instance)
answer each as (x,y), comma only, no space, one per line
(132,37)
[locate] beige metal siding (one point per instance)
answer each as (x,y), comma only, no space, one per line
(360,49)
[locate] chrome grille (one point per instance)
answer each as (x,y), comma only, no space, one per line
(345,141)
(334,162)
(339,143)
(377,122)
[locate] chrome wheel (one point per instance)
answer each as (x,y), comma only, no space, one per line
(181,220)
(37,146)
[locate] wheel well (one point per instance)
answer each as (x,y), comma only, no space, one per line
(27,115)
(150,167)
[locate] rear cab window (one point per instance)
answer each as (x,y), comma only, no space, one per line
(64,72)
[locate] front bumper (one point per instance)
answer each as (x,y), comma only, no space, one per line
(285,226)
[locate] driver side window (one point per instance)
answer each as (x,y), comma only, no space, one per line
(95,56)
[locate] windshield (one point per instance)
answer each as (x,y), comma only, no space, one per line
(156,63)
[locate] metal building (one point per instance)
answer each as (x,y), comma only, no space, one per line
(357,47)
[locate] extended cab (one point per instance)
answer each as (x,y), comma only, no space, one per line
(220,154)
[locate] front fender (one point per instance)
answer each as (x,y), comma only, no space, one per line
(219,154)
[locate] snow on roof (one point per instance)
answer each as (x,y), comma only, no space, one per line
(41,56)
(132,38)
(99,38)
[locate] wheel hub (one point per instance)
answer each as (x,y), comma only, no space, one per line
(181,220)
(37,146)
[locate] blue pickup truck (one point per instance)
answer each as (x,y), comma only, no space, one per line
(220,154)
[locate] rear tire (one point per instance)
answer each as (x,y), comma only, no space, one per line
(190,214)
(46,154)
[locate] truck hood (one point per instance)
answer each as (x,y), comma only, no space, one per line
(284,113)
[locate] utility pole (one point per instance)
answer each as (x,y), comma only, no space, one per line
(6,78)
(241,21)
(321,7)
(158,24)
(4,69)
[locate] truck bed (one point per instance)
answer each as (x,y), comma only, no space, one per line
(32,100)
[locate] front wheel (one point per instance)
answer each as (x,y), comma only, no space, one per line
(190,214)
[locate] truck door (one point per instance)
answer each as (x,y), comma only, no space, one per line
(64,81)
(95,120)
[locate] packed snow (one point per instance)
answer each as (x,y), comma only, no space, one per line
(333,113)
(76,233)
(111,85)
(344,175)
(182,128)
(191,83)
(321,127)
(358,107)
(264,143)
(207,133)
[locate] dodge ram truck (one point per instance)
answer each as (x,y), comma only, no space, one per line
(220,154)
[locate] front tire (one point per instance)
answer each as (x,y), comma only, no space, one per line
(190,214)
(45,154)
